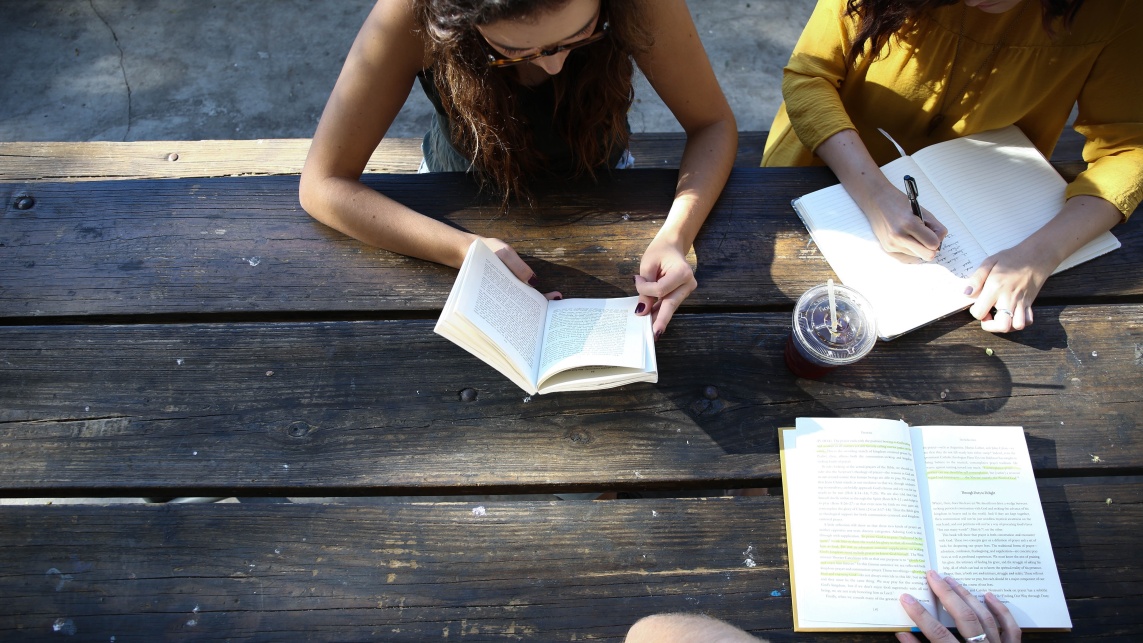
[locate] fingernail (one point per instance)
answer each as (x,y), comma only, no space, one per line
(658,334)
(908,599)
(640,308)
(533,281)
(968,291)
(557,298)
(635,279)
(951,581)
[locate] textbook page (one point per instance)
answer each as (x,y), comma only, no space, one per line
(854,524)
(905,296)
(507,311)
(592,332)
(987,524)
(1003,189)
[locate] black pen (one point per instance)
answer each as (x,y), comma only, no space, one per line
(911,191)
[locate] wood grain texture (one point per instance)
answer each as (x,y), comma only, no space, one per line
(518,570)
(374,407)
(241,245)
(98,160)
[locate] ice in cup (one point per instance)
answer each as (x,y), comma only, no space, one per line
(816,345)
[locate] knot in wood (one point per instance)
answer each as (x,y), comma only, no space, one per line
(578,436)
(173,156)
(468,395)
(25,202)
(710,393)
(297,429)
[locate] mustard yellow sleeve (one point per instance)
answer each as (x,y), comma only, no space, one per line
(1111,119)
(816,70)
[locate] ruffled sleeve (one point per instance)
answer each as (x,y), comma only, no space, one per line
(1111,119)
(817,68)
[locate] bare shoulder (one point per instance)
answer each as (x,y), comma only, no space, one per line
(392,34)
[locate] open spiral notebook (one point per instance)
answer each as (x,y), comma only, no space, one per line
(991,190)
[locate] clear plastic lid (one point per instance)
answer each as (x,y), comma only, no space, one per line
(856,330)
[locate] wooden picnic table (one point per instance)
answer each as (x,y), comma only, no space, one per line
(193,336)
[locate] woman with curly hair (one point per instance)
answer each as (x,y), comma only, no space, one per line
(926,71)
(522,88)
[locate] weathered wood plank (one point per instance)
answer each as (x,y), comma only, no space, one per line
(374,407)
(241,245)
(524,570)
(99,160)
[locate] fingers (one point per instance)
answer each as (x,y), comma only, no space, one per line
(907,637)
(929,625)
(983,614)
(514,262)
(935,225)
(1010,630)
(664,296)
(966,619)
(915,240)
(555,295)
(998,312)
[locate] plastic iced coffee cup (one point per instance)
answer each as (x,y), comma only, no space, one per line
(816,345)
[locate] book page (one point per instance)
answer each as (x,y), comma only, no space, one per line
(998,183)
(905,296)
(508,311)
(988,530)
(855,527)
(592,332)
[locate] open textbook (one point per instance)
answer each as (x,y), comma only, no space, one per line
(545,346)
(991,190)
(872,504)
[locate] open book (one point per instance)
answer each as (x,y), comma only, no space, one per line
(872,504)
(545,346)
(991,190)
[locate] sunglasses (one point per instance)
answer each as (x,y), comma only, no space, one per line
(495,60)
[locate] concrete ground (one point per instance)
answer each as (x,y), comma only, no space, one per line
(130,70)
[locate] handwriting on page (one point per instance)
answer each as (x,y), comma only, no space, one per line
(955,257)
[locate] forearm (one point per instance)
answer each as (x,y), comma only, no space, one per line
(1082,219)
(706,163)
(849,159)
(373,218)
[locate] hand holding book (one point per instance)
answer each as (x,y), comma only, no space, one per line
(990,617)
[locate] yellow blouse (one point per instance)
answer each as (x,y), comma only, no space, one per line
(1033,82)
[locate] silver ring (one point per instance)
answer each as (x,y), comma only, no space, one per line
(979,637)
(999,311)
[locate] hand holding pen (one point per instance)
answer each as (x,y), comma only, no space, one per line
(912,193)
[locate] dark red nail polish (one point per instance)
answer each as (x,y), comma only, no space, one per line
(557,298)
(533,281)
(640,308)
(658,334)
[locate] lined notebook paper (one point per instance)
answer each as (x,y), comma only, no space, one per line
(991,190)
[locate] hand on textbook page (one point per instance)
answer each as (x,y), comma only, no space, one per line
(989,621)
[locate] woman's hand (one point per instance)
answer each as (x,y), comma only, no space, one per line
(1009,282)
(517,265)
(900,232)
(989,621)
(665,279)
(890,215)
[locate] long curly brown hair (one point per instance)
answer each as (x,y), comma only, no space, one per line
(593,92)
(880,19)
